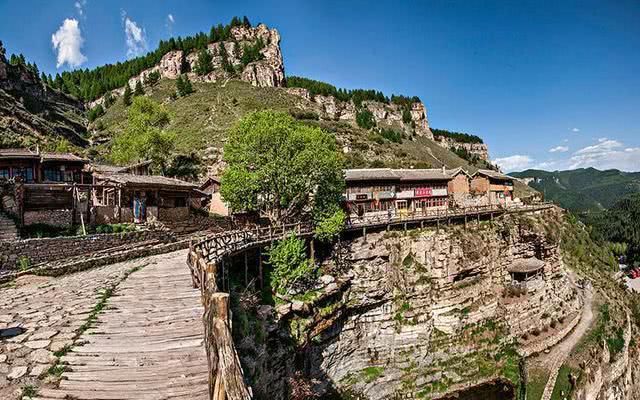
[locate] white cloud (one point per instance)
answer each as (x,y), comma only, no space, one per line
(136,40)
(559,149)
(607,154)
(514,163)
(68,42)
(169,24)
(575,130)
(80,4)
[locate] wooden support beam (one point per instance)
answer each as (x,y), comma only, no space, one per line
(246,268)
(260,268)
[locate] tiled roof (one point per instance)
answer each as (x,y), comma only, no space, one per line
(145,180)
(493,174)
(370,174)
(62,157)
(18,153)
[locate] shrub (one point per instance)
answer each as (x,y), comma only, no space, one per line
(392,136)
(24,263)
(290,264)
(95,113)
(152,78)
(364,119)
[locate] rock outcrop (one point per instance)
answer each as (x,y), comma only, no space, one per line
(32,113)
(385,115)
(478,149)
(266,72)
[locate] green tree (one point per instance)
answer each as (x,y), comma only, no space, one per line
(95,112)
(183,86)
(3,51)
(224,59)
(145,138)
(126,97)
(204,63)
(139,91)
(281,168)
(185,167)
(152,78)
(364,119)
(108,100)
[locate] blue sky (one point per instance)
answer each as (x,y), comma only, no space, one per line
(551,84)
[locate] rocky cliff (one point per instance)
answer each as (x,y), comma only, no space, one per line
(428,313)
(266,72)
(479,150)
(385,115)
(32,113)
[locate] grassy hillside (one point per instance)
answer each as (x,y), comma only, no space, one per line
(202,119)
(583,189)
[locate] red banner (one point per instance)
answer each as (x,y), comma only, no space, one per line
(424,192)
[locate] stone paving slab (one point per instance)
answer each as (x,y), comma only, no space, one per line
(150,301)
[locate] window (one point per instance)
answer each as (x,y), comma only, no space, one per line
(52,175)
(180,202)
(26,173)
(401,204)
(4,173)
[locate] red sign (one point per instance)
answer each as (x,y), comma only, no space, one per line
(424,192)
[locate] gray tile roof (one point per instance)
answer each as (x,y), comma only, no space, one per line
(388,174)
(493,174)
(145,180)
(18,153)
(62,157)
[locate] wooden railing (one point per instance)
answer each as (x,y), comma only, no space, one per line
(438,215)
(206,260)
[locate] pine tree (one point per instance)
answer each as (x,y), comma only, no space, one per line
(138,91)
(187,86)
(204,63)
(3,51)
(108,100)
(126,98)
(179,85)
(245,22)
(226,65)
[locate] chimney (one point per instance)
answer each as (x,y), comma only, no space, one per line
(444,171)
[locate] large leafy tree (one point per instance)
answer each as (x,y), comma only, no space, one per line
(283,169)
(145,137)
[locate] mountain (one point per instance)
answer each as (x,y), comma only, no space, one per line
(34,113)
(584,189)
(234,70)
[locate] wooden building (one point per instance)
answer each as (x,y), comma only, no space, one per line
(41,167)
(137,198)
(497,186)
(386,190)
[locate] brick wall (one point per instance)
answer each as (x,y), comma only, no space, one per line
(52,249)
(479,184)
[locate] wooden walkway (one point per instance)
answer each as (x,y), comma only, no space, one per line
(147,343)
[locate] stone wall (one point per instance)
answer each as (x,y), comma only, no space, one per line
(59,218)
(175,214)
(52,249)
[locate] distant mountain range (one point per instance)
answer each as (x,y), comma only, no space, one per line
(584,189)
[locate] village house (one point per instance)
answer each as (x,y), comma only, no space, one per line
(385,190)
(62,189)
(41,167)
(495,186)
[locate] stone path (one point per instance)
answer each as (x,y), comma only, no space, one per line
(145,344)
(559,353)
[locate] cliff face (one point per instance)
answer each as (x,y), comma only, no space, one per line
(32,113)
(424,314)
(267,72)
(478,149)
(385,115)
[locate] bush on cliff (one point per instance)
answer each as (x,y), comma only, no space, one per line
(290,264)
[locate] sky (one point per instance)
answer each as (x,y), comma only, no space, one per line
(547,84)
